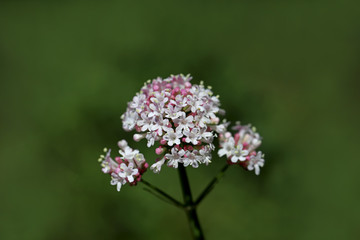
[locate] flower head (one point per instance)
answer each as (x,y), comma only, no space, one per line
(125,169)
(181,116)
(240,147)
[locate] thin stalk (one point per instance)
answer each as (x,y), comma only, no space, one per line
(211,185)
(162,195)
(190,208)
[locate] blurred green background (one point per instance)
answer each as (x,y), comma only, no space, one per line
(68,69)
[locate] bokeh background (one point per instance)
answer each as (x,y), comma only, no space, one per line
(68,69)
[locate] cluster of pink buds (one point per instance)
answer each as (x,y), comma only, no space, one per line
(125,169)
(181,117)
(240,148)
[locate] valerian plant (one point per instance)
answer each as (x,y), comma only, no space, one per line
(181,119)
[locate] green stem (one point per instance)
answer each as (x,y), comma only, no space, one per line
(211,185)
(162,195)
(190,207)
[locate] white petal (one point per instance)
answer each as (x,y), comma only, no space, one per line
(234,159)
(242,158)
(118,186)
(130,178)
(221,152)
(257,170)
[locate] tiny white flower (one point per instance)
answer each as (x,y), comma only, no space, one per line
(202,120)
(145,122)
(128,153)
(248,135)
(175,157)
(139,159)
(207,137)
(160,98)
(210,109)
(179,101)
(227,148)
(192,158)
(205,155)
(159,125)
(192,136)
(195,104)
(108,164)
(138,102)
(221,128)
(156,167)
(239,154)
(172,137)
(151,137)
(172,112)
(128,172)
(129,120)
(184,122)
(118,182)
(256,162)
(157,110)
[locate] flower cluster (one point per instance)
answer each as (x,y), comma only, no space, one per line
(182,120)
(125,169)
(181,116)
(240,148)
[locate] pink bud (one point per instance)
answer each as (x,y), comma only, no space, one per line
(146,165)
(159,150)
(188,85)
(183,139)
(118,159)
(190,148)
(236,138)
(156,87)
(117,170)
(162,141)
(183,92)
(168,85)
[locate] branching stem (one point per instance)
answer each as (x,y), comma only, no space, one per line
(162,195)
(212,184)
